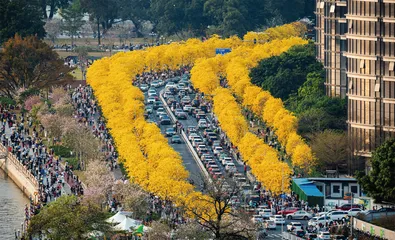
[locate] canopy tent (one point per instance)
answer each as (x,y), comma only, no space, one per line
(127,224)
(117,218)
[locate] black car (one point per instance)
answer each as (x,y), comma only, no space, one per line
(165,120)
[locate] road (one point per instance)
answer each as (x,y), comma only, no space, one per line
(189,162)
(276,234)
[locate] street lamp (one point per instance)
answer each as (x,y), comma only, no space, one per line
(162,39)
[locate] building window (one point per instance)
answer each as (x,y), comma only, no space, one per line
(350,85)
(336,190)
(354,188)
(350,24)
(322,5)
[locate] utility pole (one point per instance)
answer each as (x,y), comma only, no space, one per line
(282,199)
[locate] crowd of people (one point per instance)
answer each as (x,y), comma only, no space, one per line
(21,138)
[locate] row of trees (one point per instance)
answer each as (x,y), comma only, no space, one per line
(263,160)
(175,17)
(235,67)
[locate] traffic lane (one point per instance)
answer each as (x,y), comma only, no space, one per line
(188,160)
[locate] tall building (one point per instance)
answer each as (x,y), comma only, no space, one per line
(319,30)
(370,72)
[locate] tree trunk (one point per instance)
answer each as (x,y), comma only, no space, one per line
(98,31)
(52,10)
(44,8)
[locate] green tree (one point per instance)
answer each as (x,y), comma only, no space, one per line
(72,19)
(20,17)
(30,63)
(283,75)
(331,149)
(53,7)
(67,218)
(379,183)
(104,12)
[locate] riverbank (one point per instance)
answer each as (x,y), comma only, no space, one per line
(18,174)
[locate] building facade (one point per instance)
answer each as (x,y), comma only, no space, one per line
(370,74)
(319,30)
(335,45)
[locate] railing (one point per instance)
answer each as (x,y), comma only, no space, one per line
(19,166)
(373,230)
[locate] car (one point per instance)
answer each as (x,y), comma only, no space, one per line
(201,149)
(192,136)
(181,86)
(160,111)
(155,83)
(186,100)
(149,109)
(151,92)
(293,225)
(187,107)
(196,142)
(338,215)
(157,104)
(165,120)
(278,219)
(211,139)
(315,221)
(215,144)
(211,164)
(151,100)
(217,150)
(289,210)
(348,206)
(230,167)
(354,211)
(167,94)
(170,132)
(144,87)
(171,85)
(299,215)
(265,213)
(226,160)
(202,123)
(181,116)
(271,225)
(386,209)
(324,235)
(176,139)
(257,219)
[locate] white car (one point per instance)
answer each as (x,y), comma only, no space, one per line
(293,226)
(278,219)
(354,211)
(265,213)
(217,150)
(338,215)
(271,225)
(155,84)
(170,85)
(226,160)
(192,136)
(315,221)
(324,235)
(257,219)
(230,167)
(160,111)
(151,92)
(144,87)
(299,215)
(197,141)
(202,123)
(151,100)
(186,108)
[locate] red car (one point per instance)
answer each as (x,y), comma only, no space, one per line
(346,207)
(288,211)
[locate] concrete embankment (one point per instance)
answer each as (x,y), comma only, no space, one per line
(18,173)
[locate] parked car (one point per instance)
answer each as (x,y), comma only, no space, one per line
(354,211)
(324,235)
(176,139)
(315,221)
(299,215)
(278,219)
(289,210)
(293,225)
(338,215)
(348,206)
